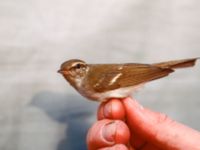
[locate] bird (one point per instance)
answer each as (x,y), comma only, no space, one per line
(101,82)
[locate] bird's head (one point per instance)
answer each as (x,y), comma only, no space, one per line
(74,71)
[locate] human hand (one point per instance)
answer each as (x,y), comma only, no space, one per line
(126,125)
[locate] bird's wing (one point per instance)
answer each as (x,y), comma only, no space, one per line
(115,76)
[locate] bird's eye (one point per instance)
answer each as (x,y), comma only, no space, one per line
(78,66)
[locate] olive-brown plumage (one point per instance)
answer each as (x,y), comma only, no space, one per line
(104,81)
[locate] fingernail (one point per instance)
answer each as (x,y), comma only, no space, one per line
(109,131)
(108,110)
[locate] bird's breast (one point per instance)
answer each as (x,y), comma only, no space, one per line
(117,93)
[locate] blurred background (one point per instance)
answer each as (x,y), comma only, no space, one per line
(39,110)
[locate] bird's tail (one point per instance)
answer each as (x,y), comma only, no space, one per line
(176,64)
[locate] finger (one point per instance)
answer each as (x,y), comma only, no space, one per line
(115,147)
(107,133)
(112,109)
(141,144)
(137,141)
(158,129)
(100,111)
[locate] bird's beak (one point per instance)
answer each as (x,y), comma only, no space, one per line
(63,72)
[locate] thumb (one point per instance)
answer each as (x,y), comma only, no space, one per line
(159,129)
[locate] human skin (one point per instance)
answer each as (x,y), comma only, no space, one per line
(123,124)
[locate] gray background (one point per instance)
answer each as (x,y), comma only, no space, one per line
(39,110)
